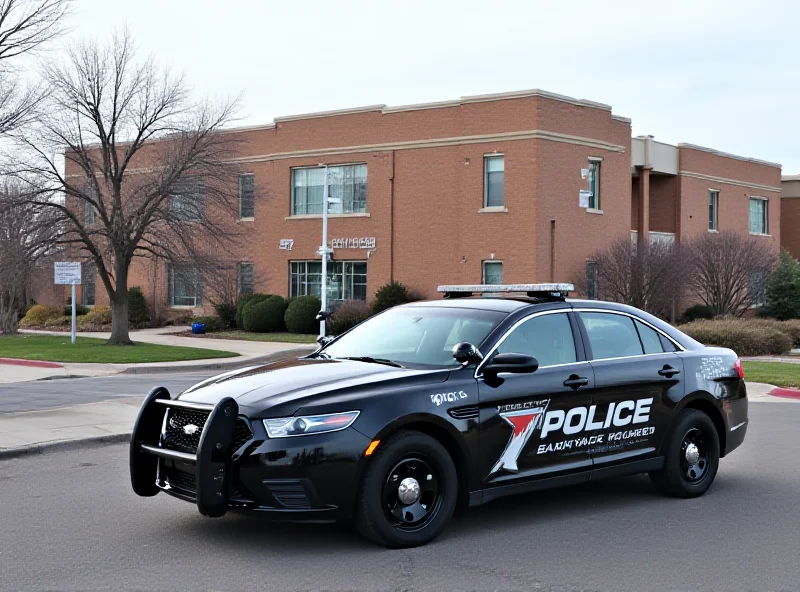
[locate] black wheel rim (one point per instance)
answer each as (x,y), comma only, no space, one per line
(418,514)
(694,456)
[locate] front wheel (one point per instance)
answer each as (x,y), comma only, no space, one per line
(691,457)
(409,491)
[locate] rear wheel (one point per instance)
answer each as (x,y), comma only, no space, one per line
(691,457)
(408,493)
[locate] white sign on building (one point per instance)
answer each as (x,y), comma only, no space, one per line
(367,242)
(287,244)
(68,273)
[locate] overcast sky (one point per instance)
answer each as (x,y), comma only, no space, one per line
(722,74)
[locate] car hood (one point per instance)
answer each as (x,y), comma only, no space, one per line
(286,385)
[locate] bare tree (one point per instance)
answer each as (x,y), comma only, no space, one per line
(24,239)
(25,26)
(730,270)
(148,171)
(648,276)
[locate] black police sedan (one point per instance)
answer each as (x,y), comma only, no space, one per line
(456,401)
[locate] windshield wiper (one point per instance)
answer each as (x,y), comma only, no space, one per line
(371,360)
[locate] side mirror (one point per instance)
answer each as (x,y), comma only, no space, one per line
(465,353)
(323,341)
(511,362)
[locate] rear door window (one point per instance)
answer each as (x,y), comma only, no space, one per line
(611,335)
(650,339)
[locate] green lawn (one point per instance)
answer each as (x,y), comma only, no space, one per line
(777,373)
(279,337)
(57,348)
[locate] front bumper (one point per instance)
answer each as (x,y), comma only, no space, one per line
(306,478)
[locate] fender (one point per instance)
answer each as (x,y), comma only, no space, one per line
(706,397)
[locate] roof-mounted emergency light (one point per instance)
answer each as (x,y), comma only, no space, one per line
(543,291)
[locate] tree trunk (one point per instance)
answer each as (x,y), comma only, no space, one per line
(119,308)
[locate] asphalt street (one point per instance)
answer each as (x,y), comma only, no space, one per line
(47,394)
(69,521)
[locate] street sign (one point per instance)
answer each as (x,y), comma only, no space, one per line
(68,273)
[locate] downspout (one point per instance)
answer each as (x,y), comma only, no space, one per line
(391,222)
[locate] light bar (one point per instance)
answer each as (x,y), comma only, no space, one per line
(499,288)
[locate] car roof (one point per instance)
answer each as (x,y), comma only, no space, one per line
(495,303)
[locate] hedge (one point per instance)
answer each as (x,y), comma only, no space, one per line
(80,310)
(747,337)
(41,313)
(138,313)
(99,315)
(245,300)
(347,315)
(390,295)
(265,316)
(301,314)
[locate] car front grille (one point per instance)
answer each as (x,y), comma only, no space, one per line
(176,436)
(289,493)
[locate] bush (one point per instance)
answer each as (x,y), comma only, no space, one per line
(213,324)
(696,312)
(245,300)
(347,315)
(792,329)
(390,295)
(39,314)
(99,315)
(265,316)
(65,321)
(138,314)
(300,316)
(226,313)
(747,337)
(783,289)
(80,310)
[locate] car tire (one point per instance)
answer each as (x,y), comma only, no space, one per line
(385,512)
(689,472)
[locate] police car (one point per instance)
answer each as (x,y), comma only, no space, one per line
(458,401)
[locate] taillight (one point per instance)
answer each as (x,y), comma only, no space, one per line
(738,367)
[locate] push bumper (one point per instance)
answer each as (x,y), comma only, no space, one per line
(304,479)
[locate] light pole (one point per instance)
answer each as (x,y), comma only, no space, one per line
(324,251)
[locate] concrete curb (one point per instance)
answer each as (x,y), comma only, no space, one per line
(785,393)
(30,363)
(237,362)
(62,445)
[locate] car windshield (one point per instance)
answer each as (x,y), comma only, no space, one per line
(415,335)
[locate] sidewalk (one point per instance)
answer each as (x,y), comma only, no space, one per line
(112,421)
(250,352)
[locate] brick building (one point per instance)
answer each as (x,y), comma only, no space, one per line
(515,187)
(790,214)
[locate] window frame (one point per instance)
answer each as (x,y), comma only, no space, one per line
(344,277)
(253,197)
(713,219)
(592,282)
(88,270)
(252,276)
(483,270)
(198,299)
(486,159)
(765,217)
(588,346)
(191,189)
(292,197)
(594,177)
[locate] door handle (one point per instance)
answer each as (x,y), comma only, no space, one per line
(576,381)
(669,371)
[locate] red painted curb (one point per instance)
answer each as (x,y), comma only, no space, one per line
(31,363)
(786,393)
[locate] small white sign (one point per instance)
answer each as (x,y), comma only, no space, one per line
(584,173)
(583,198)
(287,244)
(68,273)
(367,242)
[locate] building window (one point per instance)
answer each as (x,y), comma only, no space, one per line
(759,220)
(347,280)
(245,277)
(186,201)
(591,280)
(88,281)
(594,184)
(345,183)
(185,285)
(492,272)
(757,288)
(494,181)
(713,208)
(247,196)
(89,210)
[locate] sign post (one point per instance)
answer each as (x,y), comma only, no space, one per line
(69,273)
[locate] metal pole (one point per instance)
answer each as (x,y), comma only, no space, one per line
(324,250)
(73,313)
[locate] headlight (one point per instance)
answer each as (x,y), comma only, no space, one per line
(283,427)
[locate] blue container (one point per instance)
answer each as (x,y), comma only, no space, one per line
(198,328)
